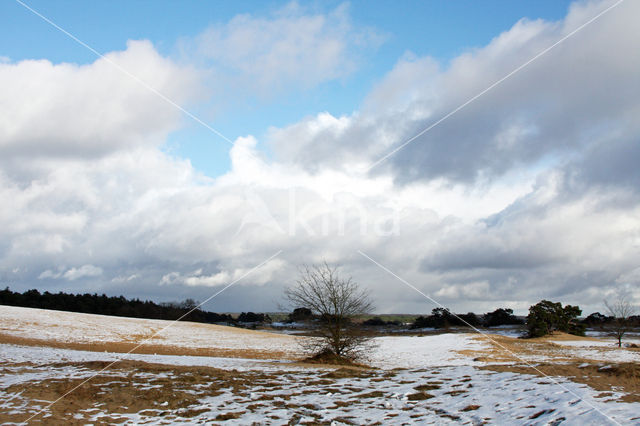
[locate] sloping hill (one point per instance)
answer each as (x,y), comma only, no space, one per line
(29,326)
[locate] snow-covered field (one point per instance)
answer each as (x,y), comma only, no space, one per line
(71,327)
(434,379)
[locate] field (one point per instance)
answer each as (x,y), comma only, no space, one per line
(198,373)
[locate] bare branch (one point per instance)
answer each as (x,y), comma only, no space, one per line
(621,310)
(335,301)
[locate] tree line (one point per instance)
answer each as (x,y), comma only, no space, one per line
(121,306)
(443,318)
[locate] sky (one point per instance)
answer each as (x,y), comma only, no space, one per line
(471,154)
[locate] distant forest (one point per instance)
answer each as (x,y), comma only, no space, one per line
(120,306)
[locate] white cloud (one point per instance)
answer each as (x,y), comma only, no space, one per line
(67,110)
(72,274)
(124,278)
(545,114)
(49,274)
(469,291)
(225,277)
(161,216)
(292,49)
(83,271)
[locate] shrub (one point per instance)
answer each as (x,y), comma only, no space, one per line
(443,318)
(546,317)
(253,317)
(501,317)
(300,314)
(597,319)
(375,322)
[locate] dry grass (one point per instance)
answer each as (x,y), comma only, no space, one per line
(127,387)
(510,349)
(419,396)
(125,346)
(158,392)
(470,408)
(343,372)
(431,385)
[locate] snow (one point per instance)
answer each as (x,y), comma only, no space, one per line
(423,351)
(38,355)
(504,398)
(612,355)
(599,350)
(584,343)
(385,396)
(72,327)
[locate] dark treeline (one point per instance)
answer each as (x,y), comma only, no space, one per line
(597,319)
(251,317)
(443,318)
(105,305)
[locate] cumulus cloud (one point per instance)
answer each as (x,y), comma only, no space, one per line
(545,113)
(198,278)
(295,48)
(469,291)
(72,274)
(123,278)
(65,110)
(83,271)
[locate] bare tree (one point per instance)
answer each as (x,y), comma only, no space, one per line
(336,301)
(621,310)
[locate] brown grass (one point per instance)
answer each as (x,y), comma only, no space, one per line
(348,372)
(428,386)
(419,396)
(470,408)
(151,390)
(372,394)
(229,416)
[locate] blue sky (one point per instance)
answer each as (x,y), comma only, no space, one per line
(441,29)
